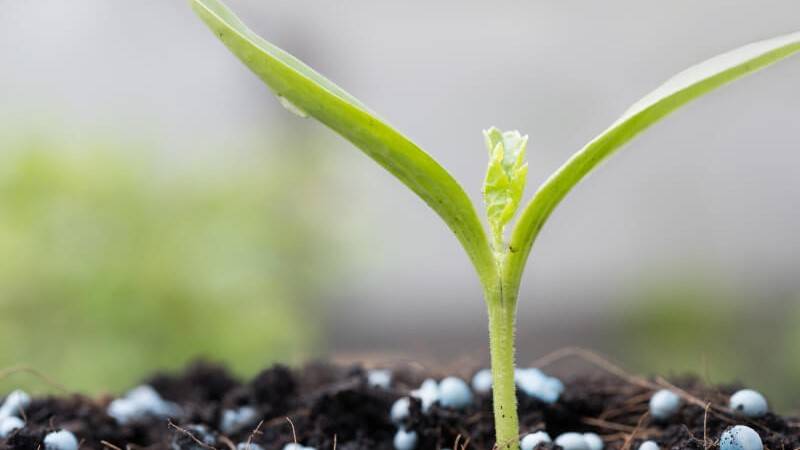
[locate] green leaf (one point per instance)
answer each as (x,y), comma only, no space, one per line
(505,179)
(677,91)
(306,92)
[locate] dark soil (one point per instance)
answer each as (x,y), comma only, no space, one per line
(329,404)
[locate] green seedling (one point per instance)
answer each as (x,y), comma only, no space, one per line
(498,260)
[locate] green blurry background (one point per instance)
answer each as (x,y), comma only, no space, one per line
(116,261)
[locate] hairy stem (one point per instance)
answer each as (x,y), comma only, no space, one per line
(502,317)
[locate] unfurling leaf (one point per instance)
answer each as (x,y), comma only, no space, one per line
(505,179)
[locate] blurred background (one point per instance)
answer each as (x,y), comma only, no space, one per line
(157,203)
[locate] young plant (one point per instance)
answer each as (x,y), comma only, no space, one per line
(498,261)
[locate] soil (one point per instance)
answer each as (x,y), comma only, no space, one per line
(329,406)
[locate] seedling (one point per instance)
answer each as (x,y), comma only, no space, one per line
(498,260)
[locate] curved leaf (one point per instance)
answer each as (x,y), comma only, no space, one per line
(677,91)
(306,92)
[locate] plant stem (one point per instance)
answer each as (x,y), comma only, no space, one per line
(502,317)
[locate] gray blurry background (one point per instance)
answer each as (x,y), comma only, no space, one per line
(700,212)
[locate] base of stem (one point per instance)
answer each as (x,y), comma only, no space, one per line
(504,391)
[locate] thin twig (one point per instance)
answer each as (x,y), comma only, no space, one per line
(595,359)
(689,432)
(635,405)
(275,421)
(685,395)
(4,373)
(614,437)
(720,412)
(637,399)
(608,425)
(255,432)
(227,441)
(294,434)
(109,445)
(705,426)
(191,436)
(629,440)
(22,413)
(463,445)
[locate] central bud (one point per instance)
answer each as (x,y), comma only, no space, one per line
(505,179)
